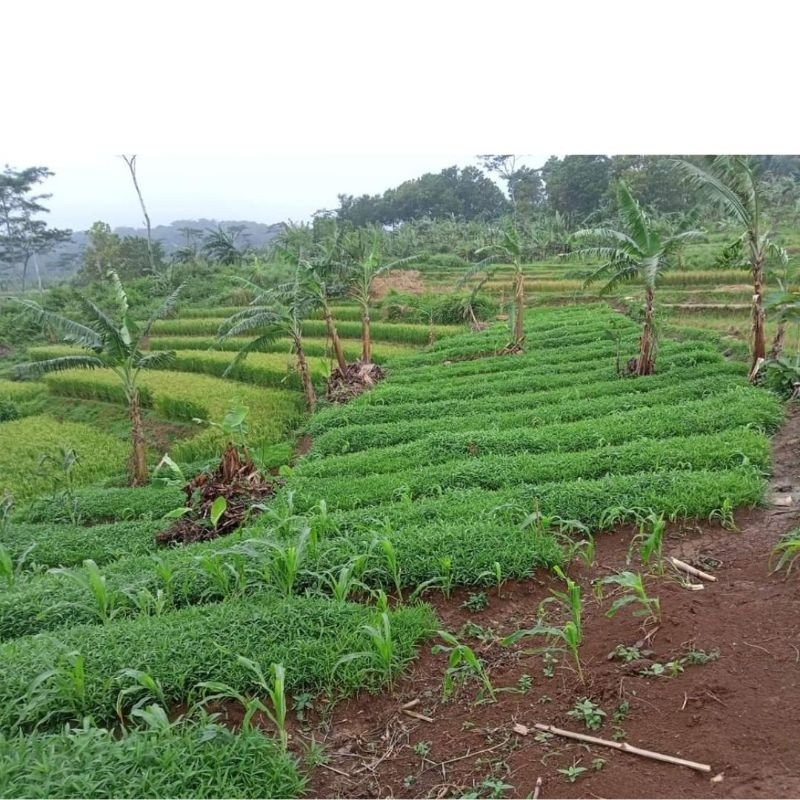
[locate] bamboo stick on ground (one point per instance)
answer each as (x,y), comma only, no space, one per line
(691,570)
(624,746)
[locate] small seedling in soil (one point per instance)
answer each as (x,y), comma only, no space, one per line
(315,754)
(573,772)
(589,713)
(650,607)
(462,663)
(786,552)
(408,781)
(724,515)
(700,656)
(477,601)
(422,749)
(496,574)
(621,712)
(626,654)
(618,735)
(493,787)
(545,698)
(657,670)
(475,631)
(301,703)
(549,662)
(525,682)
(650,544)
(598,763)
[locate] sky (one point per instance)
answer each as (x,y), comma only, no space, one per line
(267,111)
(254,187)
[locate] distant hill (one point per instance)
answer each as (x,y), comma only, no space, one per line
(66,260)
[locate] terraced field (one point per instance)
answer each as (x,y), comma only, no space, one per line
(463,469)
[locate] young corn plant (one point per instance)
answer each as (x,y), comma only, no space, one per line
(569,636)
(786,552)
(105,602)
(462,663)
(142,685)
(393,565)
(650,543)
(274,690)
(10,569)
(340,585)
(284,564)
(633,584)
(59,691)
(382,655)
(444,580)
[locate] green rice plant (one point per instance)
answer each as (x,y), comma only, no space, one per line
(462,663)
(650,544)
(632,583)
(785,552)
(142,685)
(104,601)
(273,689)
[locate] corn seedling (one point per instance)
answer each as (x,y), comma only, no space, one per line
(650,544)
(382,654)
(569,635)
(444,580)
(393,565)
(104,601)
(462,663)
(495,574)
(274,690)
(62,689)
(283,565)
(724,515)
(570,600)
(10,569)
(786,552)
(340,585)
(142,685)
(650,607)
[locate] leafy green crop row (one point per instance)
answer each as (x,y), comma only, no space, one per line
(360,413)
(739,405)
(200,759)
(52,545)
(182,648)
(534,414)
(721,450)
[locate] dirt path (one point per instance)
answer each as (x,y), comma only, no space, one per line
(738,713)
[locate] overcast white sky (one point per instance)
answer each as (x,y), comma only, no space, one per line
(259,188)
(246,110)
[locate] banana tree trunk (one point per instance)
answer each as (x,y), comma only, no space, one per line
(645,364)
(337,342)
(138,463)
(366,341)
(757,316)
(777,343)
(305,376)
(519,305)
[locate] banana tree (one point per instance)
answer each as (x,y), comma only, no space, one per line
(273,314)
(638,250)
(368,265)
(732,183)
(115,344)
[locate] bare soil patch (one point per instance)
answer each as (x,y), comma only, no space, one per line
(406,281)
(738,712)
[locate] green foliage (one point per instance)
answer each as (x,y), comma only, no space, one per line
(786,552)
(589,713)
(192,758)
(461,664)
(633,584)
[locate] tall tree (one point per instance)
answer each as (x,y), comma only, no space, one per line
(733,184)
(112,343)
(576,184)
(637,250)
(22,237)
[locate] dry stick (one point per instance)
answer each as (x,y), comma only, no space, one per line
(538,788)
(691,570)
(410,704)
(627,748)
(417,716)
(337,771)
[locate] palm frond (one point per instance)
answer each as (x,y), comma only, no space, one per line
(35,369)
(254,345)
(724,189)
(117,339)
(164,310)
(68,329)
(251,319)
(634,217)
(603,234)
(155,360)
